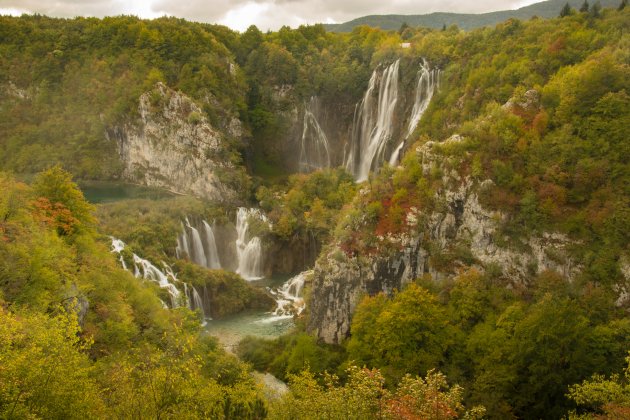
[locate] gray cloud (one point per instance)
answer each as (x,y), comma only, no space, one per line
(266,14)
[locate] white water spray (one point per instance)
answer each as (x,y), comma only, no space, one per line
(428,83)
(373,122)
(249,251)
(201,253)
(289,298)
(145,269)
(314,148)
(212,255)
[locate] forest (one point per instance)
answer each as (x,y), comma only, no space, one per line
(483,274)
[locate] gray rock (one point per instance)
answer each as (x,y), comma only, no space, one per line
(172,145)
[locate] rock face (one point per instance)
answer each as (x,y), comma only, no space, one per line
(341,280)
(173,146)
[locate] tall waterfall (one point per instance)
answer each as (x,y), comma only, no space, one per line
(249,251)
(314,148)
(428,82)
(190,243)
(372,127)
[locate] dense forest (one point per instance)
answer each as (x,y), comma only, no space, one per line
(484,274)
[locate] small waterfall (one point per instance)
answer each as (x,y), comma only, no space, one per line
(212,255)
(289,299)
(372,128)
(201,253)
(428,82)
(195,301)
(182,250)
(198,253)
(249,252)
(314,148)
(145,269)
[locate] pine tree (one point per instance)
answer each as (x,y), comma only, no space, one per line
(594,12)
(584,7)
(622,5)
(566,10)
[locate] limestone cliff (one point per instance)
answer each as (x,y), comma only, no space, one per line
(172,145)
(341,280)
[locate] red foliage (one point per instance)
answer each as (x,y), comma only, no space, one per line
(556,46)
(55,215)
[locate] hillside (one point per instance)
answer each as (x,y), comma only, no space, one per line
(467,21)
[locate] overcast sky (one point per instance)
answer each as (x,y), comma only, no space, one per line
(266,14)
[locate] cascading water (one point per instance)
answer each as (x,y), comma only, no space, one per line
(145,269)
(289,299)
(212,255)
(203,254)
(314,148)
(372,127)
(199,254)
(165,278)
(428,82)
(249,252)
(195,302)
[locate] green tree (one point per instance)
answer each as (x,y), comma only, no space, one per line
(409,333)
(566,10)
(44,371)
(599,397)
(595,10)
(584,7)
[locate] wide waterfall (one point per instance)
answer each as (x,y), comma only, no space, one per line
(428,82)
(289,298)
(249,251)
(190,243)
(373,122)
(314,148)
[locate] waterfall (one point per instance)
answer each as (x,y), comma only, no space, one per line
(372,127)
(199,254)
(249,252)
(145,269)
(428,82)
(212,255)
(202,250)
(182,250)
(314,148)
(195,301)
(289,299)
(203,254)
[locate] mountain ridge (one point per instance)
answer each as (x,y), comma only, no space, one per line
(467,21)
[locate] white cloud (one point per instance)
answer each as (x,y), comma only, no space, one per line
(266,14)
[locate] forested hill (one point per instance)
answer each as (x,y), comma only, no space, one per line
(544,9)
